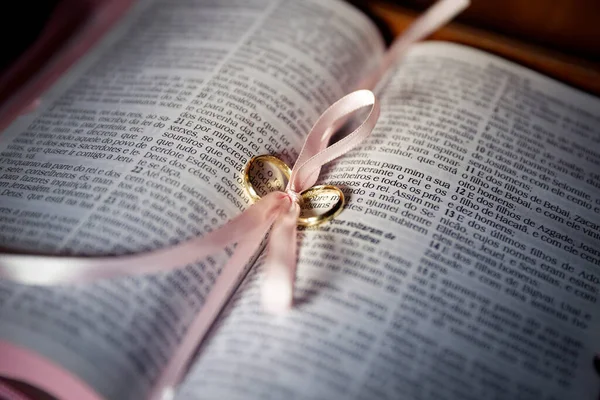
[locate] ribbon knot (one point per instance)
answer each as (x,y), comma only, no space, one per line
(294,196)
(280,261)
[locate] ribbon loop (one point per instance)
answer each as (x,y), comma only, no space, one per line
(315,153)
(280,262)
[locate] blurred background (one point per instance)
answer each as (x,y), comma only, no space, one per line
(560,38)
(568,26)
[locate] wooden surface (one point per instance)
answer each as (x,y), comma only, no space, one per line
(578,71)
(568,26)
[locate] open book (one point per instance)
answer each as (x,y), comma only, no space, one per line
(465,264)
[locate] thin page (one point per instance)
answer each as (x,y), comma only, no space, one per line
(465,264)
(143,144)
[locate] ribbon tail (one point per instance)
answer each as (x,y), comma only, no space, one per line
(280,263)
(227,281)
(51,270)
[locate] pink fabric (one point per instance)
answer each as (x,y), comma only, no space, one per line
(105,14)
(22,364)
(8,393)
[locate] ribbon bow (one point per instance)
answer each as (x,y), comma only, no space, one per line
(280,263)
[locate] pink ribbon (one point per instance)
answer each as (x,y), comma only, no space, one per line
(280,209)
(247,229)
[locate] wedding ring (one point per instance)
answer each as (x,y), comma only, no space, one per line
(330,213)
(260,161)
(320,194)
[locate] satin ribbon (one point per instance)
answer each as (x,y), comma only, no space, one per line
(250,227)
(247,229)
(280,209)
(280,262)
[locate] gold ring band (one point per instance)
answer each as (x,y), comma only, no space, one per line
(329,214)
(306,195)
(265,158)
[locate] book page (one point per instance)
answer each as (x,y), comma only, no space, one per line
(143,145)
(465,264)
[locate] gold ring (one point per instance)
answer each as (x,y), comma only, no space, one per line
(265,158)
(329,214)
